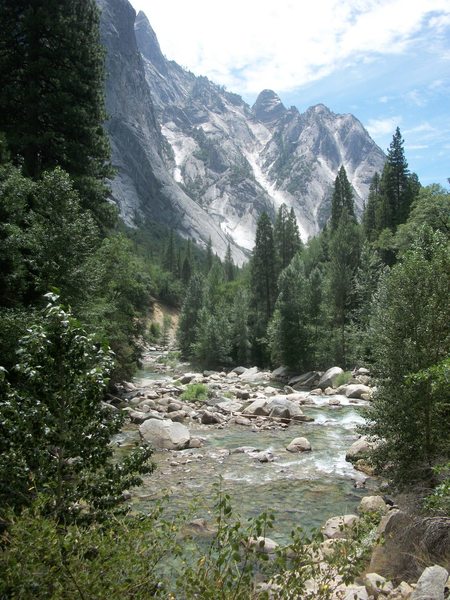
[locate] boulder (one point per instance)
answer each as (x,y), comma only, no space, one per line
(282,407)
(376,584)
(362,371)
(187,378)
(178,416)
(244,450)
(263,544)
(355,390)
(229,406)
(351,592)
(329,377)
(239,420)
(139,417)
(243,394)
(307,380)
(299,444)
(338,527)
(370,504)
(165,433)
(282,373)
(195,443)
(359,449)
(264,456)
(257,407)
(239,370)
(211,418)
(431,584)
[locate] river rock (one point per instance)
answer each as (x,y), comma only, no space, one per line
(257,407)
(359,449)
(265,456)
(165,434)
(263,544)
(174,406)
(329,377)
(376,584)
(338,527)
(211,418)
(431,584)
(334,401)
(371,504)
(187,378)
(306,380)
(271,391)
(280,374)
(362,371)
(282,407)
(350,592)
(178,416)
(243,394)
(253,375)
(299,444)
(195,443)
(244,450)
(139,417)
(402,592)
(239,370)
(229,406)
(355,390)
(240,420)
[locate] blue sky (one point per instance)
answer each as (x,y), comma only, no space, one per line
(385,61)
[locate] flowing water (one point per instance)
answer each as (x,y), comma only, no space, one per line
(302,489)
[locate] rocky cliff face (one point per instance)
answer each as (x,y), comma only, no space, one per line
(144,187)
(198,158)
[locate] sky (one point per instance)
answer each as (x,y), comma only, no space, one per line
(385,61)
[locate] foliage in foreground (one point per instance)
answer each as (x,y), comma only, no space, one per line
(55,431)
(152,556)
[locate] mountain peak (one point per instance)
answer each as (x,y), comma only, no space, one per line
(268,107)
(148,42)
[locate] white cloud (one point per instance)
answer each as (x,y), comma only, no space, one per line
(251,44)
(381,127)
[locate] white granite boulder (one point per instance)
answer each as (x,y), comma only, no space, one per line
(165,434)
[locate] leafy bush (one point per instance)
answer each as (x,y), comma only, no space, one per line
(195,392)
(343,378)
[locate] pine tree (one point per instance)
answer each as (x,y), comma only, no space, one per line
(395,180)
(369,217)
(209,256)
(344,252)
(291,332)
(229,265)
(342,198)
(240,336)
(263,284)
(51,97)
(190,314)
(169,259)
(286,237)
(186,269)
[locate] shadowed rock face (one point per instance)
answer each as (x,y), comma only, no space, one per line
(195,157)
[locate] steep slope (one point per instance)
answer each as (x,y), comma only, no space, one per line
(143,186)
(237,161)
(196,157)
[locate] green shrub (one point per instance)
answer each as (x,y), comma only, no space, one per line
(195,392)
(343,378)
